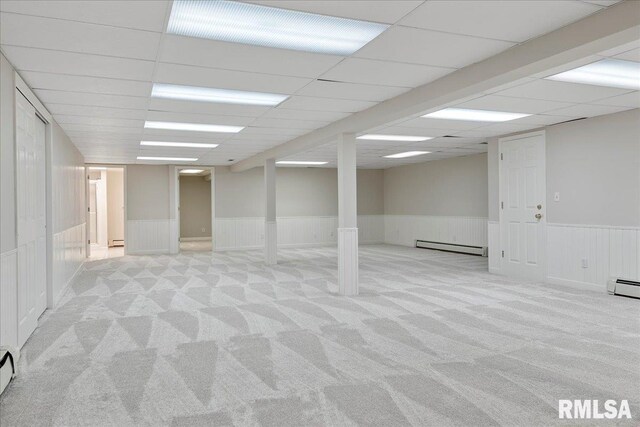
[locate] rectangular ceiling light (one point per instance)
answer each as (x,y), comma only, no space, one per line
(168,159)
(475,115)
(223,96)
(607,72)
(407,154)
(98,168)
(192,171)
(300,162)
(239,22)
(405,138)
(178,144)
(196,127)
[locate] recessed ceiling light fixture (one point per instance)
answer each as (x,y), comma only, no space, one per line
(196,127)
(238,22)
(406,154)
(300,162)
(97,168)
(474,115)
(406,138)
(178,144)
(192,171)
(607,72)
(223,96)
(168,159)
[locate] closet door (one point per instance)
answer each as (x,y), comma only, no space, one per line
(31,209)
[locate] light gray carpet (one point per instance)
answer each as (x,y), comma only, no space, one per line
(433,339)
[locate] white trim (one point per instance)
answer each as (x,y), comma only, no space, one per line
(609,227)
(195,239)
(576,284)
(22,86)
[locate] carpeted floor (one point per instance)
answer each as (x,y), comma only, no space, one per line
(222,339)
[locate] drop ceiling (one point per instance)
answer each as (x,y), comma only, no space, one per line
(94,67)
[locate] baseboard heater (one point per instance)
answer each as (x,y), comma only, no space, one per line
(627,288)
(452,247)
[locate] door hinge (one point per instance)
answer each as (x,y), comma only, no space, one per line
(501,156)
(501,205)
(502,254)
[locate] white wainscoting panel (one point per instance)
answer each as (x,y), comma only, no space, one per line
(248,233)
(493,239)
(149,236)
(69,253)
(406,229)
(9,298)
(608,252)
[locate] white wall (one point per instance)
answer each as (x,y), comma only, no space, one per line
(115,204)
(595,166)
(67,208)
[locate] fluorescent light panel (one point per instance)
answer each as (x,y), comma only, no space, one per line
(192,171)
(475,115)
(406,138)
(178,144)
(407,154)
(168,159)
(253,24)
(607,72)
(196,127)
(300,162)
(224,96)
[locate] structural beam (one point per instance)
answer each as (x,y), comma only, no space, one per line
(347,216)
(609,28)
(270,226)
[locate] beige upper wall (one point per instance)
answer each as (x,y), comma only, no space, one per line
(595,166)
(148,192)
(299,192)
(448,187)
(195,206)
(7,156)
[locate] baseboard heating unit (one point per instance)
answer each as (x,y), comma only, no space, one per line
(452,247)
(628,288)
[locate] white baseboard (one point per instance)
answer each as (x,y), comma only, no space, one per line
(576,284)
(195,239)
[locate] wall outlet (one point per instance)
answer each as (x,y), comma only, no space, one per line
(202,229)
(556,196)
(585,263)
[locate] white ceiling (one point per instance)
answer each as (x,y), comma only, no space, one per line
(93,67)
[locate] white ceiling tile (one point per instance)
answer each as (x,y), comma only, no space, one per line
(503,20)
(289,124)
(91,99)
(297,114)
(541,119)
(413,45)
(561,91)
(227,79)
(589,110)
(140,14)
(325,104)
(244,57)
(198,108)
(605,3)
(106,121)
(369,71)
(92,111)
(630,55)
(384,11)
(56,34)
(79,127)
(340,90)
(263,130)
(170,116)
(52,61)
(512,105)
(414,131)
(631,99)
(64,82)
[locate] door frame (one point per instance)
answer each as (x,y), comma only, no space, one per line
(22,87)
(174,244)
(86,189)
(501,195)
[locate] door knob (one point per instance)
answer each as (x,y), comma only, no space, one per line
(538,216)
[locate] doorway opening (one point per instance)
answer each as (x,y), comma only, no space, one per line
(195,209)
(106,206)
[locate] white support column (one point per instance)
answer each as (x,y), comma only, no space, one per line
(347,216)
(270,227)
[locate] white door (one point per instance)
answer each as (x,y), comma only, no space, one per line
(522,206)
(31,216)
